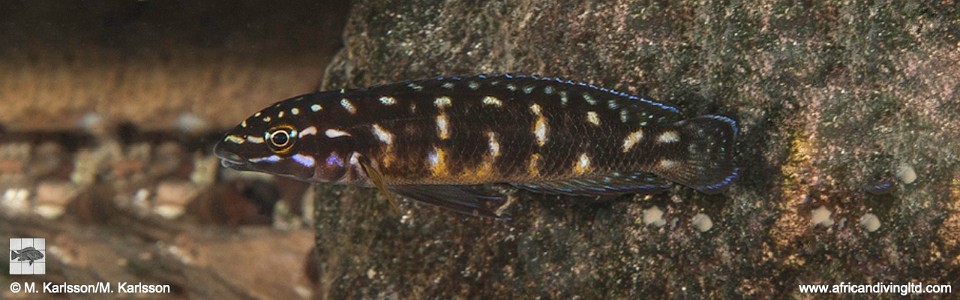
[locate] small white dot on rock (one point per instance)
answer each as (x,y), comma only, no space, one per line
(653,216)
(870,222)
(702,222)
(821,216)
(906,174)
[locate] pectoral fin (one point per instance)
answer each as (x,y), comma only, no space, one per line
(459,198)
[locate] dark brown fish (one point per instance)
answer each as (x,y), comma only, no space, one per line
(437,140)
(28,253)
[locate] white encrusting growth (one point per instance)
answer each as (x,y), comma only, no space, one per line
(593,118)
(312,130)
(443,130)
(669,137)
(443,102)
(387,100)
(348,105)
(384,136)
(305,160)
(335,133)
(632,139)
(491,100)
(316,107)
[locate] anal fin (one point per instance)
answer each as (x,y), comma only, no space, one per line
(463,199)
(613,184)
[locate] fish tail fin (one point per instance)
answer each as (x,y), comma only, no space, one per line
(704,157)
(13,255)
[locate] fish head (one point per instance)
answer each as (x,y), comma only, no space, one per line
(290,138)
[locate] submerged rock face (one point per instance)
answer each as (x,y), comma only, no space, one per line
(833,100)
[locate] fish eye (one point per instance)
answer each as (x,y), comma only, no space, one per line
(281,138)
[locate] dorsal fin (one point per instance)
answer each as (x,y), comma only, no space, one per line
(613,184)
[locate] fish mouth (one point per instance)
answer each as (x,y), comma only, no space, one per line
(229,159)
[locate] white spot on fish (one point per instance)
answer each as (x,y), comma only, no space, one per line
(632,139)
(266,119)
(494,144)
(271,158)
(386,100)
(255,139)
(316,107)
(548,90)
(243,124)
(593,118)
(233,139)
(589,99)
(448,85)
(442,129)
(612,104)
(335,133)
(384,136)
(305,160)
(511,87)
(280,115)
(473,85)
(535,109)
(312,130)
(443,102)
(667,164)
(348,105)
(540,131)
(256,114)
(564,98)
(528,89)
(669,137)
(583,164)
(295,111)
(490,100)
(415,87)
(624,115)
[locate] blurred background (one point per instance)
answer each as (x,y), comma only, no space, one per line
(109,113)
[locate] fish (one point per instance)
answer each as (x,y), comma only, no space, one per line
(28,253)
(446,140)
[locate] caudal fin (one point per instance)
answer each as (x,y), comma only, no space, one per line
(13,255)
(703,158)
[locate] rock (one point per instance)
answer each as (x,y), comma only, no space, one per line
(825,94)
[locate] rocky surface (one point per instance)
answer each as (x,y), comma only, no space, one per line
(836,102)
